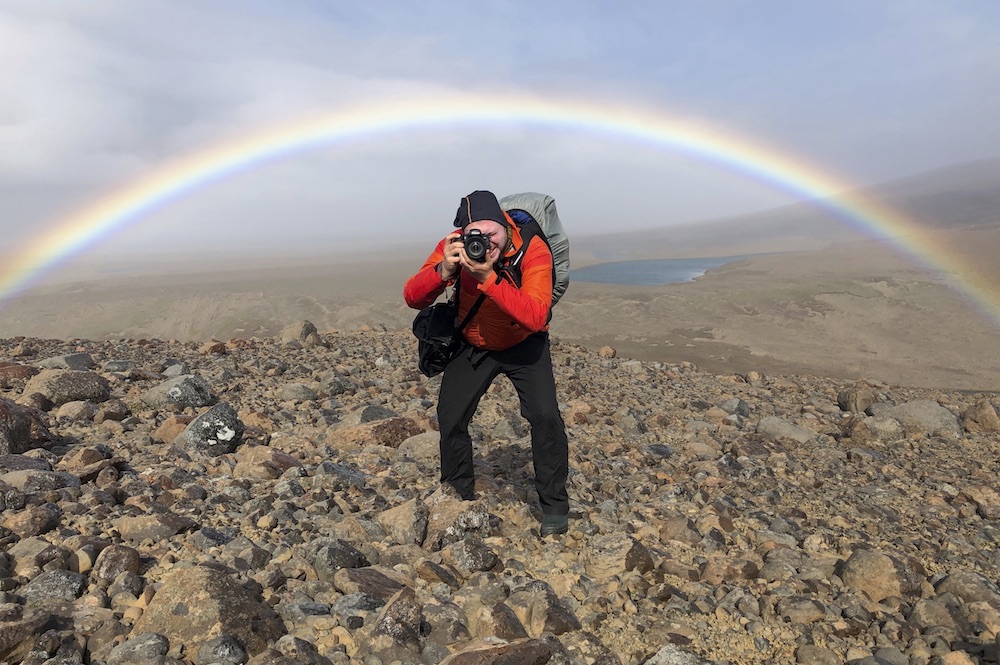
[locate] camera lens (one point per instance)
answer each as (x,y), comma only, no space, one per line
(476,246)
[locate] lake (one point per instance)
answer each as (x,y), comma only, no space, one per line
(651,272)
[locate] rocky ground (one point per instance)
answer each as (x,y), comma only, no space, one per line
(276,501)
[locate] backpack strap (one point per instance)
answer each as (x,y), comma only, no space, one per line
(530,230)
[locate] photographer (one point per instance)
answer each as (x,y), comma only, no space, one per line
(507,335)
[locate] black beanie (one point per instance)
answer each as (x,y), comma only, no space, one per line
(477,206)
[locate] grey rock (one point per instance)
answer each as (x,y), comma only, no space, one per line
(223,650)
(401,618)
(33,480)
(298,332)
(59,386)
(338,477)
(113,561)
(328,555)
(971,587)
(114,366)
(775,427)
(77,361)
(926,417)
(54,585)
(181,392)
(142,649)
(216,432)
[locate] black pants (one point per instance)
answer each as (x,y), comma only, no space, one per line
(528,365)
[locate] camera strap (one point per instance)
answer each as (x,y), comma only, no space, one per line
(472,310)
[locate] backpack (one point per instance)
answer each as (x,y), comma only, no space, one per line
(535,215)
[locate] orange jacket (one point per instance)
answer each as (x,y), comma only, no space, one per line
(509,314)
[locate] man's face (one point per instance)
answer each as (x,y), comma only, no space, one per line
(496,232)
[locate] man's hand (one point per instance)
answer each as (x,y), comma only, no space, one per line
(481,271)
(453,250)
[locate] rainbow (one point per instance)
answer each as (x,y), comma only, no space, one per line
(87,227)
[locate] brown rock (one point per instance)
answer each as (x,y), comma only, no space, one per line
(19,633)
(33,521)
(406,524)
(856,398)
(981,418)
(521,652)
(18,372)
(539,610)
(879,575)
(172,428)
(213,348)
(196,604)
(390,432)
(615,554)
(156,527)
(262,462)
(374,580)
(21,429)
(607,352)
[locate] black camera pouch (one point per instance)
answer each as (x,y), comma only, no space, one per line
(439,337)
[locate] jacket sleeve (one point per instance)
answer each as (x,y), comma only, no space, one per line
(422,289)
(529,306)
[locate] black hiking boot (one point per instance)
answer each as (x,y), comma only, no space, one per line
(554,525)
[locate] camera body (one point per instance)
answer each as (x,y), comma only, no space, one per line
(477,245)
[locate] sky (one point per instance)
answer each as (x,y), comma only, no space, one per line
(97,95)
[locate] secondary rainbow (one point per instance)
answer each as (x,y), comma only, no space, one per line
(68,237)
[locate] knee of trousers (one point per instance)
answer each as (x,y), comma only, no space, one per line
(546,418)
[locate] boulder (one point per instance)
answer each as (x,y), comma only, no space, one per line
(298,332)
(879,575)
(76,361)
(856,398)
(777,428)
(389,432)
(981,418)
(406,524)
(59,386)
(181,392)
(21,429)
(925,417)
(216,432)
(196,604)
(262,463)
(616,554)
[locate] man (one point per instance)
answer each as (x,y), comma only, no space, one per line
(507,335)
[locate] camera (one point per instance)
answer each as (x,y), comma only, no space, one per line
(477,245)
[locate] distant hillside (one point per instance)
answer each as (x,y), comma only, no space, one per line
(961,196)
